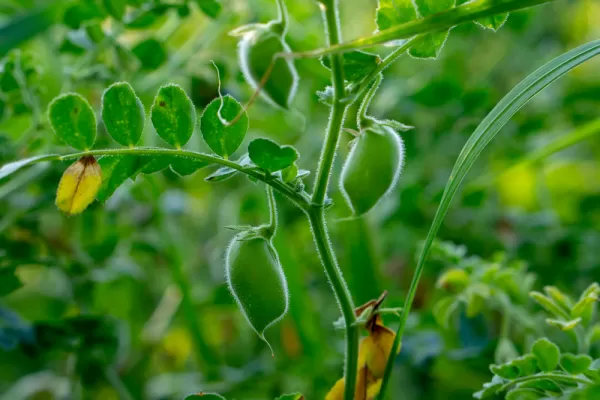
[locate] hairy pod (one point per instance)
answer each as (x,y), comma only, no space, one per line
(257,51)
(256,280)
(372,168)
(79,185)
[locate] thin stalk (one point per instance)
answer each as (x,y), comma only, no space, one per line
(272,226)
(282,16)
(342,294)
(361,116)
(316,213)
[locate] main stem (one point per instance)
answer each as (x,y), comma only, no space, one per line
(338,109)
(316,211)
(343,297)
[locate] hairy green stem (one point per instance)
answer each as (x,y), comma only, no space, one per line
(342,293)
(338,109)
(272,210)
(361,116)
(316,213)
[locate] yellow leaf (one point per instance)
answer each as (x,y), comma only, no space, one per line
(377,347)
(79,185)
(337,391)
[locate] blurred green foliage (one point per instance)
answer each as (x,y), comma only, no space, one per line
(98,311)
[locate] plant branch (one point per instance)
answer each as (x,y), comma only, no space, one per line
(437,22)
(300,199)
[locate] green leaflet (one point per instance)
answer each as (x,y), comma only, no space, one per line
(483,135)
(269,156)
(221,138)
(395,12)
(575,363)
(151,53)
(115,171)
(546,353)
(9,282)
(493,22)
(212,8)
(357,64)
(173,115)
(115,8)
(73,120)
(123,114)
(23,27)
(186,166)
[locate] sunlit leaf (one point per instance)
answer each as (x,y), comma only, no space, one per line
(9,282)
(391,13)
(116,8)
(268,155)
(212,8)
(173,115)
(116,170)
(575,363)
(73,120)
(547,354)
(222,138)
(123,114)
(357,64)
(186,166)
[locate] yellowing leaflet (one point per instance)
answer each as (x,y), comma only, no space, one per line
(79,185)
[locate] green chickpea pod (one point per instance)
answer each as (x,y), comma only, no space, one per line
(255,276)
(257,52)
(372,168)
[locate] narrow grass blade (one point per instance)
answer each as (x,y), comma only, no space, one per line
(483,135)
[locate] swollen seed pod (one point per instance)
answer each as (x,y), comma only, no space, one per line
(256,280)
(79,185)
(372,168)
(256,52)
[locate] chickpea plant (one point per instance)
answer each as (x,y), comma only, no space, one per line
(371,171)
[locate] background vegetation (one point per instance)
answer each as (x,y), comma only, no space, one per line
(123,264)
